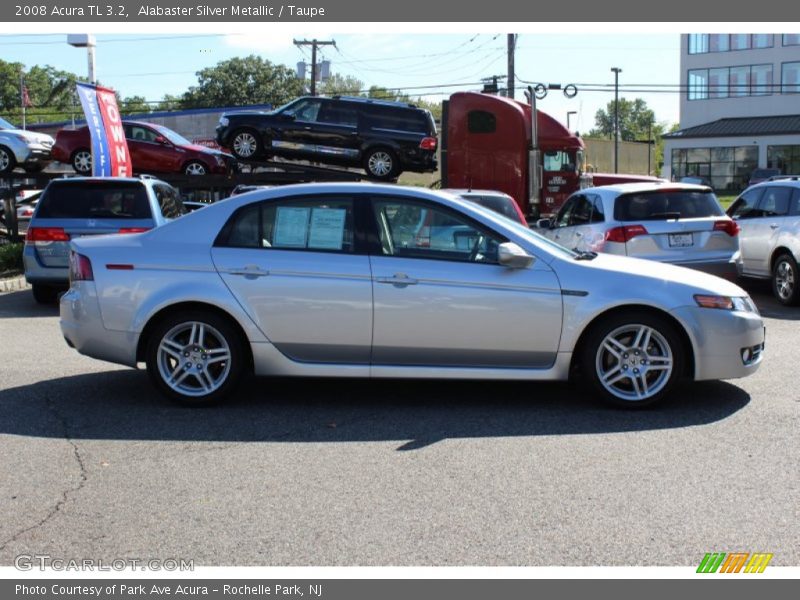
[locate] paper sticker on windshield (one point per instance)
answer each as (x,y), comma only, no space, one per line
(291,227)
(327,228)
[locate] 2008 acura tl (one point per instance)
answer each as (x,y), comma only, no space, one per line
(359,280)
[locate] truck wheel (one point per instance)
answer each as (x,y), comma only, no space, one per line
(7,160)
(245,144)
(82,161)
(632,359)
(381,163)
(786,280)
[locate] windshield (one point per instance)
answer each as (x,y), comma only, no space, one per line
(173,137)
(667,204)
(5,124)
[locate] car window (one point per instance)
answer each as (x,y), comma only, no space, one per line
(598,214)
(398,119)
(141,134)
(775,201)
(336,114)
(563,216)
(95,200)
(320,224)
(745,206)
(499,204)
(666,204)
(168,200)
(794,207)
(582,211)
(307,110)
(413,229)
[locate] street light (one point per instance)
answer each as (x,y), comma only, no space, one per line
(616,71)
(569,114)
(85,40)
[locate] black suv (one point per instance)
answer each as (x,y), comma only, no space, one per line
(383,137)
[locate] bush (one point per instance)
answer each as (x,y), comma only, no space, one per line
(11,257)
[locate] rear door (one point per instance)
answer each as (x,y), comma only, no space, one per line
(149,155)
(579,224)
(745,212)
(294,267)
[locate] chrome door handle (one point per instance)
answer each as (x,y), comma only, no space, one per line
(248,271)
(398,279)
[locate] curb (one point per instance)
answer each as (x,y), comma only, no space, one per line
(14,284)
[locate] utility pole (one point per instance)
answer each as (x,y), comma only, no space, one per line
(512,46)
(616,71)
(314,43)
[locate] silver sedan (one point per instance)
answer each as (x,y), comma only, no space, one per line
(357,280)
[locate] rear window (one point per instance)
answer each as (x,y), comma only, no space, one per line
(655,206)
(95,200)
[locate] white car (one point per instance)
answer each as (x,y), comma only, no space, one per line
(26,149)
(768,214)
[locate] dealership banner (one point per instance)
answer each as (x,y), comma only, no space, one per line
(409,11)
(110,156)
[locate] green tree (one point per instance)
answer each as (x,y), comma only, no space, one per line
(341,85)
(51,92)
(133,105)
(243,81)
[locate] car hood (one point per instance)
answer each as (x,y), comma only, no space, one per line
(648,276)
(31,136)
(206,150)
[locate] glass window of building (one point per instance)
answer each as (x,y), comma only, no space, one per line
(762,40)
(739,78)
(791,39)
(718,83)
(740,41)
(698,43)
(718,42)
(790,78)
(761,80)
(785,158)
(698,84)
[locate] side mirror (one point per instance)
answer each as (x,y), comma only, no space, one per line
(544,223)
(511,255)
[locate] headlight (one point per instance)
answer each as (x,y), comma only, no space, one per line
(224,121)
(734,303)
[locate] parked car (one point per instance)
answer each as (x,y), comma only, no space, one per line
(26,204)
(319,280)
(759,175)
(81,207)
(26,149)
(677,223)
(769,243)
(499,202)
(384,138)
(153,148)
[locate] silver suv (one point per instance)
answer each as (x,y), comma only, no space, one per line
(27,149)
(676,223)
(85,206)
(768,214)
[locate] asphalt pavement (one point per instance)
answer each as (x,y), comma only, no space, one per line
(94,464)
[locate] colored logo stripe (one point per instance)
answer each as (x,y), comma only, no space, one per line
(758,562)
(734,562)
(711,562)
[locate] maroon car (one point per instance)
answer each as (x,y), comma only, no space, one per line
(154,149)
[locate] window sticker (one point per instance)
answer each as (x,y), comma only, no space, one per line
(291,227)
(327,228)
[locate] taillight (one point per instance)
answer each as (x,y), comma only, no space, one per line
(26,212)
(80,267)
(730,227)
(46,234)
(428,143)
(133,229)
(625,233)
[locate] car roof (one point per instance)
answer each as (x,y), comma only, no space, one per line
(788,180)
(80,180)
(468,192)
(647,186)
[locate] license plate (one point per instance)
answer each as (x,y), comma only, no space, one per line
(681,240)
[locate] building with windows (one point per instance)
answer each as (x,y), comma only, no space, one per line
(739,108)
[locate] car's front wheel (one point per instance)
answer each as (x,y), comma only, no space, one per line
(195,358)
(82,161)
(786,280)
(7,160)
(633,359)
(195,167)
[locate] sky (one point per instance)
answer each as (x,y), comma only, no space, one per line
(427,64)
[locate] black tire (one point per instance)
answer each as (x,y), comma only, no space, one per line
(243,139)
(7,160)
(195,167)
(786,280)
(44,294)
(36,168)
(222,376)
(381,163)
(654,381)
(79,162)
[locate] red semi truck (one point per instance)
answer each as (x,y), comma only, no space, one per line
(490,142)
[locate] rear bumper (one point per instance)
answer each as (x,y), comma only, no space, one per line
(82,326)
(726,268)
(719,338)
(37,273)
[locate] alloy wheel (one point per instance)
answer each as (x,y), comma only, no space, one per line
(784,280)
(195,168)
(82,162)
(245,144)
(194,359)
(5,160)
(380,163)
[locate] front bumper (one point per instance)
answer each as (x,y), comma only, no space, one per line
(82,326)
(719,338)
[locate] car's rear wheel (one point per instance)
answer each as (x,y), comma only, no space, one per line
(44,294)
(195,357)
(633,359)
(786,280)
(7,160)
(195,167)
(245,144)
(381,163)
(82,161)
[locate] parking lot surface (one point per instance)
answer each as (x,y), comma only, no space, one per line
(95,464)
